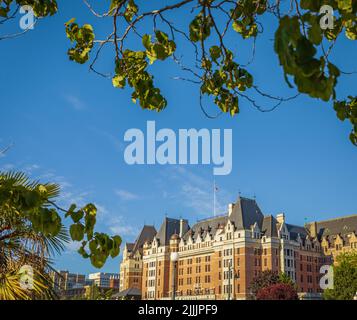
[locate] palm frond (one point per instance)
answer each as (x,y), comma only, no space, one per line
(22,244)
(10,288)
(56,244)
(15,178)
(20,179)
(53,190)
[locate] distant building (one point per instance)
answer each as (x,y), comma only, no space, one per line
(104,280)
(218,258)
(114,282)
(68,284)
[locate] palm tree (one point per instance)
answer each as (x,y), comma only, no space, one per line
(31,233)
(21,244)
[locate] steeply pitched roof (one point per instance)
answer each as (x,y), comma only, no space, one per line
(130,246)
(295,231)
(168,228)
(147,234)
(207,225)
(342,226)
(246,213)
(269,226)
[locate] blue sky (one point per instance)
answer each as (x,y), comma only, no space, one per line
(68,124)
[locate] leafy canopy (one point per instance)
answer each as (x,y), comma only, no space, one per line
(278,291)
(267,279)
(303,48)
(345,278)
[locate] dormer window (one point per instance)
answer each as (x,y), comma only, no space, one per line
(256,235)
(284,236)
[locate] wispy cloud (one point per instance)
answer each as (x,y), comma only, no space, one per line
(4,149)
(109,137)
(126,195)
(117,225)
(53,177)
(7,167)
(29,169)
(69,197)
(69,193)
(75,102)
(196,192)
(72,246)
(102,209)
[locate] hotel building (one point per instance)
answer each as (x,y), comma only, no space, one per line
(218,258)
(132,266)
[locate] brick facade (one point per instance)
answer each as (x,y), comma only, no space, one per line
(219,257)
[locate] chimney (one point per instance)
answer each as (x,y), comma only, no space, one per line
(313,229)
(280,217)
(183,227)
(230,209)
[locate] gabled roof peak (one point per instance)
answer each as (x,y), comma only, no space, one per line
(147,234)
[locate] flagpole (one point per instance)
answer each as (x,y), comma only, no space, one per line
(214,197)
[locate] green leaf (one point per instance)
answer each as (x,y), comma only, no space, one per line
(345,5)
(347,110)
(84,41)
(98,260)
(116,246)
(130,11)
(161,49)
(215,52)
(76,231)
(315,32)
(77,215)
(4,12)
(83,252)
(119,81)
(146,40)
(351,29)
(200,28)
(69,22)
